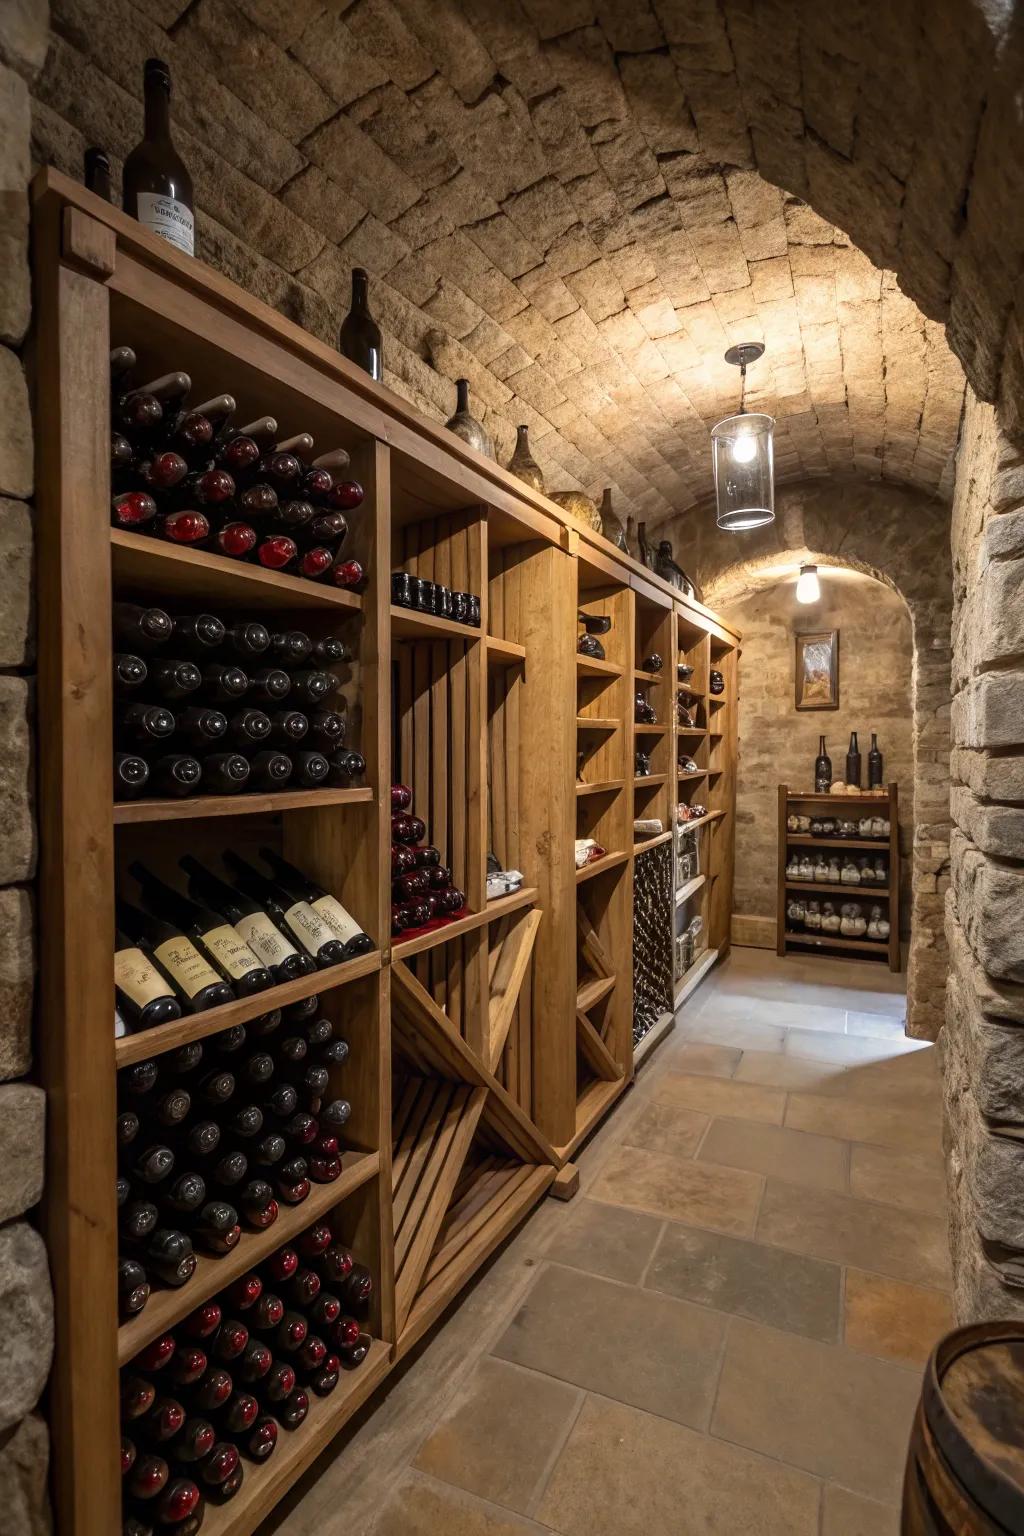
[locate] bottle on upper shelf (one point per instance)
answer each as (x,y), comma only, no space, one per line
(876,764)
(822,769)
(853,762)
(157,185)
(360,338)
(96,166)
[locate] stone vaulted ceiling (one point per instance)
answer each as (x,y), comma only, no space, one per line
(556,200)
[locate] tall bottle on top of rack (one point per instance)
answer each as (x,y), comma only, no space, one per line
(853,761)
(876,764)
(360,338)
(157,186)
(822,769)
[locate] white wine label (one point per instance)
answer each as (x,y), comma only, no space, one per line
(229,951)
(167,217)
(138,978)
(341,923)
(311,930)
(180,957)
(265,938)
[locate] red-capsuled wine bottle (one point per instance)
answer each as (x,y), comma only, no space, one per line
(133,510)
(254,1362)
(188,1366)
(196,1440)
(230,1340)
(293,516)
(163,472)
(128,1454)
(147,1478)
(163,1421)
(303,1288)
(325,1311)
(137,1395)
(267,1313)
(185,527)
(218,1472)
(279,1383)
(177,1503)
(315,564)
(260,1440)
(236,539)
(290,1333)
(357,1353)
(213,1390)
(294,1409)
(240,1413)
(204,1321)
(277,552)
(324,1380)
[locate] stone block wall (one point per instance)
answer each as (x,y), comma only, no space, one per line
(26,1316)
(983,1043)
(778,743)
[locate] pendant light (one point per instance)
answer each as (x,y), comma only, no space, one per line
(807,587)
(743,456)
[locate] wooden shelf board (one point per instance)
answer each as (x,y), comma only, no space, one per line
(869,796)
(503,653)
(658,1030)
(602,787)
(602,723)
(805,840)
(214,1272)
(592,991)
(644,844)
(695,693)
(589,666)
(591,1107)
(266,1482)
(838,890)
(651,730)
(599,866)
(717,698)
(501,907)
(693,730)
(197,1026)
(700,821)
(192,807)
(823,941)
(196,576)
(691,888)
(407,624)
(693,976)
(649,780)
(648,677)
(701,773)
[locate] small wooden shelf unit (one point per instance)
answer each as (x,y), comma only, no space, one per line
(479,1059)
(844,808)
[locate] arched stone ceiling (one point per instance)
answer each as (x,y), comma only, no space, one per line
(576,204)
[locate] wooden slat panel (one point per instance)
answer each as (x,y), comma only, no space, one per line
(594,1051)
(508,979)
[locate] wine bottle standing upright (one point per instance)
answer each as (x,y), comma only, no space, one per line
(97,173)
(876,764)
(360,338)
(157,185)
(822,769)
(853,761)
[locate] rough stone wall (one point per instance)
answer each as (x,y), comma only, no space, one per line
(778,743)
(901,538)
(26,1317)
(984,1035)
(556,200)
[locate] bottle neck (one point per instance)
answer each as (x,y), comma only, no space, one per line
(522,437)
(158,111)
(462,394)
(360,292)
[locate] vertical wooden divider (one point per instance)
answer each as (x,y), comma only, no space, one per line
(476,1029)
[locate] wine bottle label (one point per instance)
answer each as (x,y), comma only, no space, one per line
(229,951)
(311,931)
(166,217)
(341,923)
(265,939)
(183,961)
(137,977)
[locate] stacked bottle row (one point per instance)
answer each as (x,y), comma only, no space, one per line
(224,707)
(182,952)
(832,871)
(422,893)
(188,473)
(852,920)
(202,1403)
(213,1136)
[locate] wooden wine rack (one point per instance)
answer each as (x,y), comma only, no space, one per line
(479,1059)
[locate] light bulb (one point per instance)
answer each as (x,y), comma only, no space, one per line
(807,587)
(744,448)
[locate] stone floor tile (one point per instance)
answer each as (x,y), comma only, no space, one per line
(904,1082)
(907,1245)
(880,1026)
(421,1507)
(772,1286)
(724,1199)
(848,1514)
(796,1156)
(848,1050)
(837,1414)
(853,1119)
(783,1011)
(661,1128)
(638,1347)
(916,1180)
(777,1069)
(627,1473)
(497,1440)
(717,1096)
(605,1240)
(747,1036)
(893,1320)
(706,1060)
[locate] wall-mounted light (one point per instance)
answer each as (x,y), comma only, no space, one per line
(808,589)
(742,450)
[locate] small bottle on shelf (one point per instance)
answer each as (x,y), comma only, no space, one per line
(97,172)
(360,339)
(157,187)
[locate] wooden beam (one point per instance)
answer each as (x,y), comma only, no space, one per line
(594,1051)
(509,975)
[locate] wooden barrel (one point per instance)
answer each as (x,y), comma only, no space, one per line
(965,1465)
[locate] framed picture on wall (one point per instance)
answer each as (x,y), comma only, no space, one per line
(817,670)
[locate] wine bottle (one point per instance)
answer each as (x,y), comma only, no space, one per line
(146,724)
(198,634)
(288,727)
(293,516)
(257,503)
(291,910)
(270,685)
(311,688)
(209,489)
(143,629)
(822,769)
(133,1288)
(192,976)
(853,761)
(248,728)
(157,187)
(97,172)
(136,1219)
(130,672)
(198,1436)
(175,679)
(225,773)
(236,540)
(330,650)
(142,993)
(270,770)
(876,767)
(131,775)
(328,728)
(300,888)
(219,941)
(310,769)
(291,646)
(282,470)
(223,684)
(258,930)
(201,726)
(277,552)
(176,774)
(247,638)
(360,339)
(122,457)
(170,1256)
(348,767)
(163,472)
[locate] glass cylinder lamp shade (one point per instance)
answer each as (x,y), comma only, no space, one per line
(743,455)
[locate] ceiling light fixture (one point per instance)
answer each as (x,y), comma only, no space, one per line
(742,450)
(808,588)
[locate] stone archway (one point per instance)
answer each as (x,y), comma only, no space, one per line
(901,539)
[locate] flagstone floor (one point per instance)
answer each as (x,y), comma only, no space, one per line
(724,1331)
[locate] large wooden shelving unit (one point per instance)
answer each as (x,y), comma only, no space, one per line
(479,1059)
